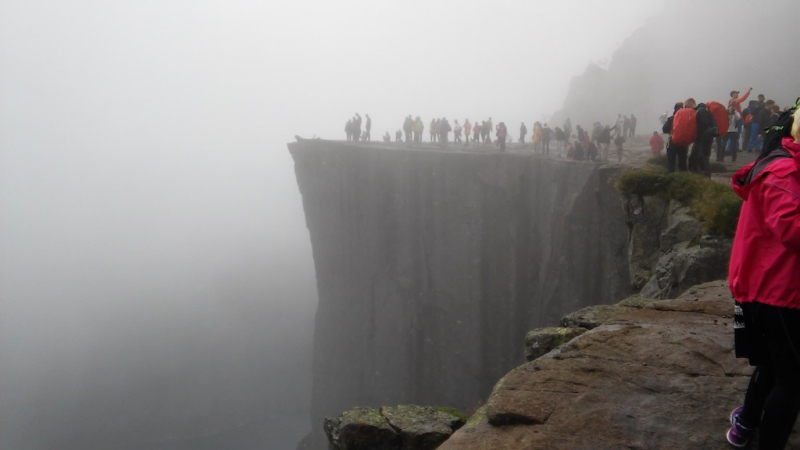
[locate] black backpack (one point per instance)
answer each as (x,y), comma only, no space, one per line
(781,129)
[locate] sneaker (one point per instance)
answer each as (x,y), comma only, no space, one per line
(738,434)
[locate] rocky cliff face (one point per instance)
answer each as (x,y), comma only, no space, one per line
(648,375)
(433,264)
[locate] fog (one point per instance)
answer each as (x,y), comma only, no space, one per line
(156,280)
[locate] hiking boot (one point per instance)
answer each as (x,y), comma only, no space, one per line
(738,434)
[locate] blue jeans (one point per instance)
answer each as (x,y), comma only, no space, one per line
(755,142)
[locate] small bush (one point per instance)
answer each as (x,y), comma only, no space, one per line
(715,204)
(649,181)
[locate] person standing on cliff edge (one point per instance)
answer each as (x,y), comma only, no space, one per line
(763,276)
(369,127)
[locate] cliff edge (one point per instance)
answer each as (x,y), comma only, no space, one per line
(432,264)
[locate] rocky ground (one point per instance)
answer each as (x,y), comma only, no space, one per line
(649,374)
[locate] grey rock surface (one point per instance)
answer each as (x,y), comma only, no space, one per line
(541,341)
(681,227)
(432,264)
(406,427)
(659,376)
(686,266)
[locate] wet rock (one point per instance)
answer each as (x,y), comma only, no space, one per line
(361,429)
(646,217)
(681,227)
(405,427)
(421,427)
(687,266)
(661,374)
(540,341)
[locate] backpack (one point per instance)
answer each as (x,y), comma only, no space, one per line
(779,130)
(684,127)
(720,114)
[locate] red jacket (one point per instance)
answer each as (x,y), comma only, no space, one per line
(765,260)
(656,143)
(737,102)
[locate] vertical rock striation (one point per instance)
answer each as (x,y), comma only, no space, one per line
(432,265)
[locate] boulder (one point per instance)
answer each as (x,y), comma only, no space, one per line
(421,427)
(540,341)
(361,429)
(405,427)
(686,266)
(681,227)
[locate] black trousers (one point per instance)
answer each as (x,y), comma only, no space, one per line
(676,153)
(772,401)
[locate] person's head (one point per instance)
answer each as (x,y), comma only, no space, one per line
(690,103)
(769,103)
(776,108)
(734,94)
(678,106)
(796,126)
(761,98)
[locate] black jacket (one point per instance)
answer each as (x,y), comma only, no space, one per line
(704,121)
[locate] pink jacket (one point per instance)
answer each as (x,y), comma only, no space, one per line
(765,259)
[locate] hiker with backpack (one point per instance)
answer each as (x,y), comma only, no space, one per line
(700,155)
(765,261)
(678,144)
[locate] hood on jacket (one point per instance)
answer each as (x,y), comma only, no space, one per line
(744,179)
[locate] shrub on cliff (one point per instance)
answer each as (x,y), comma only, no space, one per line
(713,203)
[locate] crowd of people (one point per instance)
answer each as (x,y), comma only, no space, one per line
(580,145)
(693,124)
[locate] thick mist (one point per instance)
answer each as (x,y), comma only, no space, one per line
(157,287)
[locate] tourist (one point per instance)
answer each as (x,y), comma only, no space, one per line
(433,130)
(604,140)
(546,135)
(618,125)
(656,144)
(467,131)
(501,134)
(537,135)
(456,132)
(419,129)
(523,130)
(356,127)
(348,128)
(368,137)
(764,264)
(675,153)
(633,126)
(387,138)
(731,138)
(476,130)
(560,138)
(408,126)
(700,155)
(626,126)
(618,141)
